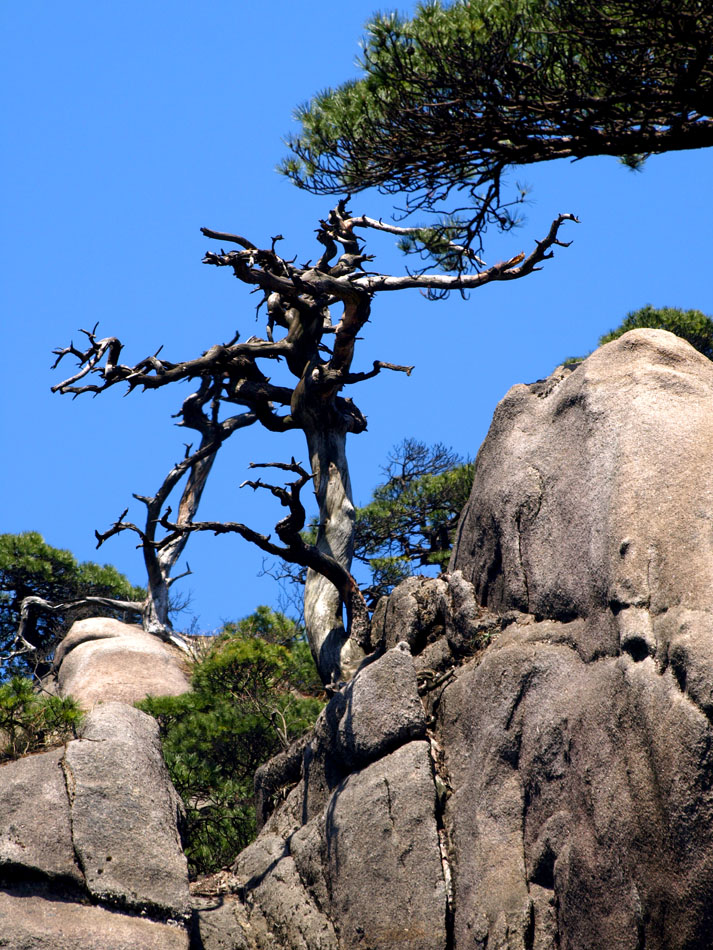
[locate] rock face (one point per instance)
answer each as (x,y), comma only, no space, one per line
(90,850)
(558,792)
(581,796)
(579,749)
(101,658)
(90,854)
(118,788)
(31,920)
(524,763)
(597,495)
(353,858)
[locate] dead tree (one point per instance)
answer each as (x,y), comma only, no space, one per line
(315,313)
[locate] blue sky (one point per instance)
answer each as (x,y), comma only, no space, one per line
(130,125)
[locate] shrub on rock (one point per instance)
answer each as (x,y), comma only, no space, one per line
(250,699)
(31,721)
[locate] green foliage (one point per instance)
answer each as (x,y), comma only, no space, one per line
(31,568)
(635,163)
(339,116)
(410,521)
(440,242)
(691,325)
(452,98)
(412,517)
(255,691)
(31,721)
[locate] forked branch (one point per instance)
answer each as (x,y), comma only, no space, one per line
(294,548)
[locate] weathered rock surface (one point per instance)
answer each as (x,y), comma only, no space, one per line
(560,795)
(581,795)
(103,659)
(378,711)
(384,877)
(94,822)
(439,617)
(29,921)
(223,924)
(353,857)
(119,787)
(579,753)
(365,872)
(281,911)
(35,819)
(597,494)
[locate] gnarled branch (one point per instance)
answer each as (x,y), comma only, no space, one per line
(294,550)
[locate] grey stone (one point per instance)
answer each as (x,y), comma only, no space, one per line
(308,847)
(378,710)
(684,643)
(103,659)
(423,610)
(378,619)
(469,626)
(381,709)
(31,921)
(322,768)
(436,657)
(416,613)
(597,493)
(581,813)
(365,872)
(125,813)
(35,827)
(282,914)
(279,772)
(289,814)
(579,752)
(384,874)
(222,924)
(572,805)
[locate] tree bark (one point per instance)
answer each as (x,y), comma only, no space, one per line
(336,654)
(160,563)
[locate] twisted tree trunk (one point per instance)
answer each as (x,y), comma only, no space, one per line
(336,653)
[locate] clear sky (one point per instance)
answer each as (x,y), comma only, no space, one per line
(128,126)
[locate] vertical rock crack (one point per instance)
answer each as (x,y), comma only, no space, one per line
(442,789)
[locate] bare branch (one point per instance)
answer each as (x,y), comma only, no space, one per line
(152,373)
(443,124)
(363,221)
(89,360)
(291,466)
(512,269)
(231,238)
(303,304)
(221,527)
(172,580)
(295,550)
(121,525)
(378,366)
(30,604)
